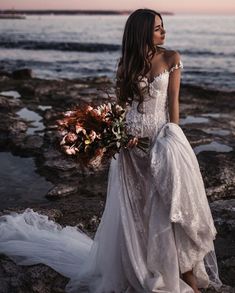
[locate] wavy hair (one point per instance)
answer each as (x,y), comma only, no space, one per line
(137,51)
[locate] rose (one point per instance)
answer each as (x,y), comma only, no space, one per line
(79,128)
(69,138)
(92,135)
(70,150)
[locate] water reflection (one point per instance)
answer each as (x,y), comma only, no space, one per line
(212,115)
(19,182)
(35,118)
(213,147)
(44,108)
(12,94)
(192,119)
(220,132)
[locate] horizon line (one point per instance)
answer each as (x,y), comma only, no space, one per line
(104,11)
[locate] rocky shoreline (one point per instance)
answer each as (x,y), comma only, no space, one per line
(29,108)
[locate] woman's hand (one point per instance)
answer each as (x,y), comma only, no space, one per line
(132,142)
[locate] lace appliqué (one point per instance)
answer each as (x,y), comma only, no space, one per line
(155,105)
(177,66)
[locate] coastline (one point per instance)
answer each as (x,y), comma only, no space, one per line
(72,200)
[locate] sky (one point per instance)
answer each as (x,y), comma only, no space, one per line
(176,6)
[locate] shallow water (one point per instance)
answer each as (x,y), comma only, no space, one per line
(219,132)
(213,147)
(29,115)
(212,115)
(43,108)
(20,182)
(13,94)
(193,119)
(84,45)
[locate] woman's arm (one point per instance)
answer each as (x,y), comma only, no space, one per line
(174,87)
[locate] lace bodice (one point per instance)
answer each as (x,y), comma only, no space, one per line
(155,106)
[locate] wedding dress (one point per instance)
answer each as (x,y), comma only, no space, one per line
(156,224)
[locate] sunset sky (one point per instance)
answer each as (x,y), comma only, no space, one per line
(177,6)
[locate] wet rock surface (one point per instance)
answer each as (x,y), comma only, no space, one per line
(22,73)
(24,279)
(61,190)
(223,212)
(8,103)
(77,197)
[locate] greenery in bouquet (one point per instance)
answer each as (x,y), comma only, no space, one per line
(93,133)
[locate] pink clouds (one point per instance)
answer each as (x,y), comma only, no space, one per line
(179,6)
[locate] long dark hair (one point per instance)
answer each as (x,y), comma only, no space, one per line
(137,51)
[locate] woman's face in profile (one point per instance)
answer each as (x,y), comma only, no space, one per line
(158,32)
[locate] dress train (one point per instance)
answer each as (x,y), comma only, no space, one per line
(156,225)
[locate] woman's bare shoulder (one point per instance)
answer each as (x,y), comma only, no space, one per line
(171,57)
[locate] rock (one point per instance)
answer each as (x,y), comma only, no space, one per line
(62,164)
(33,142)
(223,289)
(4,73)
(52,214)
(50,115)
(12,124)
(223,212)
(29,279)
(224,216)
(88,91)
(27,91)
(4,78)
(61,190)
(100,79)
(12,130)
(80,85)
(51,153)
(18,126)
(227,271)
(22,73)
(218,174)
(9,103)
(218,192)
(197,136)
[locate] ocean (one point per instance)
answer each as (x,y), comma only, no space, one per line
(74,46)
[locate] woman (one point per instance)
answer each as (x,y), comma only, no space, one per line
(156,233)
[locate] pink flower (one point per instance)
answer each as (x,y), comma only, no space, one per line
(69,150)
(92,135)
(69,113)
(89,108)
(79,128)
(71,137)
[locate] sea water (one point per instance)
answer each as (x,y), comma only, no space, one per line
(74,46)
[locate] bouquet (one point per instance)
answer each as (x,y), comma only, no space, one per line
(92,133)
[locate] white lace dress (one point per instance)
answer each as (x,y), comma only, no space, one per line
(156,225)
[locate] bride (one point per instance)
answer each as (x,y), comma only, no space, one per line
(156,233)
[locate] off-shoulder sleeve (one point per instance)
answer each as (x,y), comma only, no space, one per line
(177,66)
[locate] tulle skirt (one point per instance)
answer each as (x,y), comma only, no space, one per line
(156,225)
